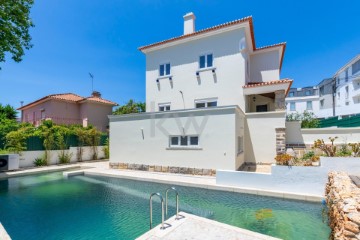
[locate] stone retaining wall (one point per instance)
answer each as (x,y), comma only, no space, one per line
(167,169)
(343,200)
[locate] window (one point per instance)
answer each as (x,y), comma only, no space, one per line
(204,104)
(356,67)
(321,91)
(338,80)
(164,107)
(307,93)
(291,94)
(292,106)
(240,144)
(322,103)
(164,69)
(347,75)
(309,105)
(206,61)
(347,103)
(261,108)
(184,141)
(347,92)
(338,95)
(42,114)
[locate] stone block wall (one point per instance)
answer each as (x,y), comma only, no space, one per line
(280,141)
(167,169)
(343,201)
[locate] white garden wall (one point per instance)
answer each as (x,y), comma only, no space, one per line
(297,180)
(27,157)
(296,135)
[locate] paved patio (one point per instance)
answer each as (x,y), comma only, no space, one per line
(189,226)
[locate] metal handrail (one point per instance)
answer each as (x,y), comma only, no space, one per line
(162,209)
(177,201)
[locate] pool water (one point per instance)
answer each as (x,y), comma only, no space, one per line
(49,206)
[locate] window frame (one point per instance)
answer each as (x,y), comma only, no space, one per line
(164,105)
(206,102)
(164,65)
(292,106)
(206,64)
(291,94)
(307,105)
(188,141)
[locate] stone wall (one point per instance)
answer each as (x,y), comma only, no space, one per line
(280,141)
(343,200)
(167,169)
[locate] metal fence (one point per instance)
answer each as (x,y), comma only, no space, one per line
(352,121)
(37,143)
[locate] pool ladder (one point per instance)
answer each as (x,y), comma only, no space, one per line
(166,205)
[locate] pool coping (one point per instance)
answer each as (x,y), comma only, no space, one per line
(3,234)
(174,223)
(190,183)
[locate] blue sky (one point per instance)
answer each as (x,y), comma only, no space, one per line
(74,37)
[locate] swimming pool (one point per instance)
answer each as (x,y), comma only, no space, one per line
(47,206)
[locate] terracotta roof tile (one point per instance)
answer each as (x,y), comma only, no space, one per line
(100,100)
(260,84)
(251,85)
(224,25)
(227,24)
(68,97)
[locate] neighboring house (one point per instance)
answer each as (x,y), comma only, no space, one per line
(347,85)
(299,100)
(336,96)
(213,101)
(69,108)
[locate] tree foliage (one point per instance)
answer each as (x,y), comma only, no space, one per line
(15,23)
(7,112)
(308,119)
(130,107)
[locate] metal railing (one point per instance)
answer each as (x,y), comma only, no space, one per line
(177,201)
(162,209)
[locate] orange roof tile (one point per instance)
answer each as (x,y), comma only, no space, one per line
(71,97)
(224,25)
(260,84)
(100,100)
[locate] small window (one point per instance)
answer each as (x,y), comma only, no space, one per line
(355,67)
(43,116)
(347,92)
(338,80)
(164,107)
(184,141)
(206,61)
(240,144)
(347,103)
(174,140)
(204,103)
(309,105)
(292,106)
(164,69)
(307,93)
(291,94)
(321,91)
(338,95)
(347,75)
(194,141)
(322,103)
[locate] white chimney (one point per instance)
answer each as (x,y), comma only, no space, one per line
(189,23)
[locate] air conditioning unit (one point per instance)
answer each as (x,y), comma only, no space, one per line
(9,162)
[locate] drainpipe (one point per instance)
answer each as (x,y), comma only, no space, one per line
(333,95)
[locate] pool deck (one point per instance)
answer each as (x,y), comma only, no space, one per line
(189,226)
(101,168)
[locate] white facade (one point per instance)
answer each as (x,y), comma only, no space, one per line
(300,100)
(347,100)
(203,90)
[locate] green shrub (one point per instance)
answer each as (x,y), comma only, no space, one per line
(64,157)
(106,149)
(308,155)
(343,151)
(40,161)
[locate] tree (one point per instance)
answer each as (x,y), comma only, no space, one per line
(15,23)
(7,112)
(130,107)
(308,119)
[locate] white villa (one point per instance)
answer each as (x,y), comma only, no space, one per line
(213,101)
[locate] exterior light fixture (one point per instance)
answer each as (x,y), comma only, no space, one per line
(197,74)
(170,78)
(254,98)
(213,71)
(157,80)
